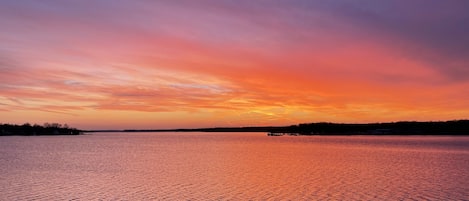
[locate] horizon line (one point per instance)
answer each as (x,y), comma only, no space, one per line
(223,127)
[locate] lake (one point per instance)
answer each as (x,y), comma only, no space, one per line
(233,166)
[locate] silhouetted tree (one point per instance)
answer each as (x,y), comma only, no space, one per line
(47,129)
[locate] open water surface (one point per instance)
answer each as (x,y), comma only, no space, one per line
(233,166)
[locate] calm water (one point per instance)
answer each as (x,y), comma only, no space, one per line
(232,166)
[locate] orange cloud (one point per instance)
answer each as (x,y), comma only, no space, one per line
(195,65)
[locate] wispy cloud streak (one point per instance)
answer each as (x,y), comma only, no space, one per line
(233,62)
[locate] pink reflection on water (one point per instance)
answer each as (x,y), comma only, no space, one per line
(233,166)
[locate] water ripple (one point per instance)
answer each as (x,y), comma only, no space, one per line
(182,166)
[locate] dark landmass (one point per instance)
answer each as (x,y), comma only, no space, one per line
(46,129)
(456,127)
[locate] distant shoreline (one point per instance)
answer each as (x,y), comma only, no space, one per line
(37,130)
(456,127)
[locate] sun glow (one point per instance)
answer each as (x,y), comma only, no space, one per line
(180,65)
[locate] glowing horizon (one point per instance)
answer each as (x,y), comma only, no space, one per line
(185,64)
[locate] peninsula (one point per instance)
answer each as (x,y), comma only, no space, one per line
(47,129)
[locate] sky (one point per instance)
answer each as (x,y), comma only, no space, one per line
(117,64)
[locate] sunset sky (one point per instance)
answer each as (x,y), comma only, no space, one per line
(116,64)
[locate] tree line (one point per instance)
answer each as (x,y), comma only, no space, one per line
(456,127)
(45,129)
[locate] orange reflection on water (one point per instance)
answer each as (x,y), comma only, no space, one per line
(233,166)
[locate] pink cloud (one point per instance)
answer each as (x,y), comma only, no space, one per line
(267,62)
